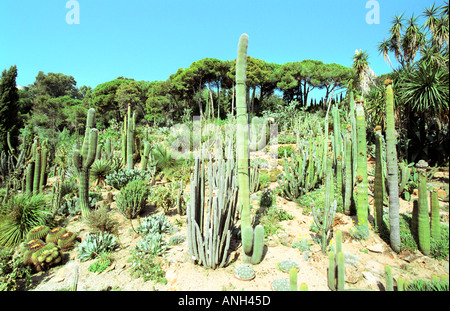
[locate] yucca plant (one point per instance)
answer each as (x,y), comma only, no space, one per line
(19,215)
(99,170)
(162,157)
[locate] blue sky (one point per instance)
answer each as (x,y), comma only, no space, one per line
(149,40)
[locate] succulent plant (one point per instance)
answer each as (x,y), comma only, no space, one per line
(54,234)
(38,233)
(67,240)
(95,244)
(281,285)
(244,272)
(47,256)
(287,264)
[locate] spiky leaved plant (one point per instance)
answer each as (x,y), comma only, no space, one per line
(252,239)
(83,160)
(392,169)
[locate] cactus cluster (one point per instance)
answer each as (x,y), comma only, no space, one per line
(336,267)
(210,213)
(43,248)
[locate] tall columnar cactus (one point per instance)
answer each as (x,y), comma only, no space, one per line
(362,187)
(43,172)
(435,217)
(210,216)
(338,145)
(324,217)
(348,172)
(130,138)
(392,169)
(336,266)
(423,214)
(379,178)
(37,169)
(389,279)
(145,156)
(252,239)
(29,178)
(83,160)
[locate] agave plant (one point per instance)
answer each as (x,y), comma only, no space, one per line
(99,170)
(20,214)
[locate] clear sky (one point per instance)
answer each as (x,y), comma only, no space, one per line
(149,40)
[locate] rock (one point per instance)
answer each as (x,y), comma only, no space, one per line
(376,248)
(370,278)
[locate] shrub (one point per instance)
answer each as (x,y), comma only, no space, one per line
(19,215)
(95,244)
(164,196)
(266,198)
(288,149)
(13,272)
(121,178)
(103,261)
(147,267)
(133,198)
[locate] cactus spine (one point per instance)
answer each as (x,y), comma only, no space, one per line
(252,239)
(83,160)
(392,169)
(336,266)
(423,214)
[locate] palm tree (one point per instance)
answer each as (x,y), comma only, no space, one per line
(363,71)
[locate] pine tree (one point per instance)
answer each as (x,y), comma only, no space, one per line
(9,98)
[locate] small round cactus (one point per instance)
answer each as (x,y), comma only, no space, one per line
(244,272)
(54,235)
(67,240)
(38,233)
(286,265)
(280,285)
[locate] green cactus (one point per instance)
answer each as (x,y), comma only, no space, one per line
(348,175)
(83,160)
(293,279)
(209,237)
(54,234)
(145,155)
(324,217)
(392,169)
(379,179)
(336,271)
(29,179)
(388,277)
(252,239)
(37,170)
(435,217)
(28,248)
(423,213)
(362,187)
(67,240)
(38,233)
(130,138)
(47,256)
